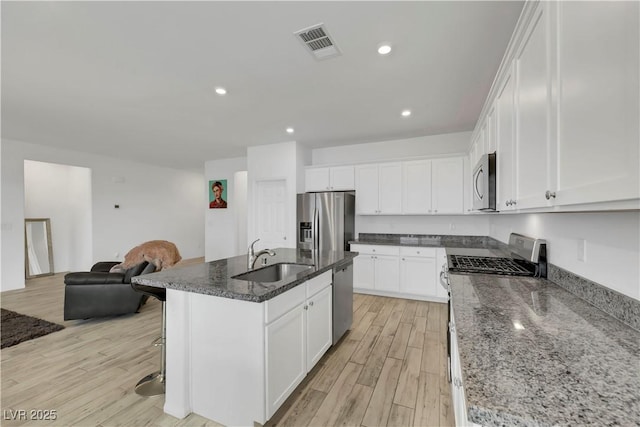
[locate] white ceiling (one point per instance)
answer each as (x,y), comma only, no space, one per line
(137,79)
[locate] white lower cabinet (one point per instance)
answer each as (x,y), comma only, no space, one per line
(457,385)
(400,271)
(296,340)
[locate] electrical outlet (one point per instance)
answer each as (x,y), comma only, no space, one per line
(582,250)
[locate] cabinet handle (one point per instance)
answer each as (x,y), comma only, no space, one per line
(417,252)
(550,194)
(403,259)
(507,203)
(429,210)
(310,303)
(306,307)
(513,202)
(435,210)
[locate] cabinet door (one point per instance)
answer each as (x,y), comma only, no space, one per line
(363,271)
(533,104)
(342,178)
(505,155)
(387,273)
(417,276)
(367,190)
(316,179)
(490,131)
(416,187)
(390,188)
(447,190)
(286,357)
(319,326)
(598,102)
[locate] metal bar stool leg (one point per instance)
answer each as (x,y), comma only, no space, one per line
(154,383)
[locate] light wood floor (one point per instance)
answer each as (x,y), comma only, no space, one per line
(388,370)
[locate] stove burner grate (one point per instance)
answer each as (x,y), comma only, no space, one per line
(489,265)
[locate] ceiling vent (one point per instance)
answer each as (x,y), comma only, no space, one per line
(318,41)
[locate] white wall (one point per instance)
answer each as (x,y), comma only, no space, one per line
(155,203)
(223,227)
(63,194)
(435,145)
(612,243)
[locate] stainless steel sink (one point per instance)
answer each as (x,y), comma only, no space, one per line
(273,273)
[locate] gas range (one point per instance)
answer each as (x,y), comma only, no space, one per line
(526,257)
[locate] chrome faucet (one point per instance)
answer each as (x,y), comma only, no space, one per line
(252,257)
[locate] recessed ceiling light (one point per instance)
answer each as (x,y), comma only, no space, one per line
(406,113)
(289,130)
(221,91)
(384,49)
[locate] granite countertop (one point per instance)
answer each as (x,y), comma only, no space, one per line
(429,241)
(533,354)
(216,277)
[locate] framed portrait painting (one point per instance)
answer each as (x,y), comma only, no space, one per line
(218,194)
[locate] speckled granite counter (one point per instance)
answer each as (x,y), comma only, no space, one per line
(533,354)
(216,277)
(428,240)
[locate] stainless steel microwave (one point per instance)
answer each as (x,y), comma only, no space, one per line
(484,183)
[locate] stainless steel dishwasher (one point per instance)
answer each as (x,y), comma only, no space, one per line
(342,301)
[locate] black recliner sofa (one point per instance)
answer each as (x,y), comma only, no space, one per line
(99,293)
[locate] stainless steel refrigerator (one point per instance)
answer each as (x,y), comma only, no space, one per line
(325,221)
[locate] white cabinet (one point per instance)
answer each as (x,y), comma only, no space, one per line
(457,384)
(296,339)
(417,267)
(319,325)
(598,102)
(399,271)
(378,189)
(416,187)
(447,194)
(286,357)
(506,198)
(336,178)
(376,268)
(533,106)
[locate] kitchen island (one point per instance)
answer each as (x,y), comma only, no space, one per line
(236,349)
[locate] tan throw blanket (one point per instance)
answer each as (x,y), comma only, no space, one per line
(161,253)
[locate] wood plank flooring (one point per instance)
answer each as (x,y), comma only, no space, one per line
(389,370)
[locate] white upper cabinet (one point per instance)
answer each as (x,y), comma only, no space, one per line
(447,194)
(598,102)
(337,178)
(533,104)
(505,145)
(378,189)
(416,187)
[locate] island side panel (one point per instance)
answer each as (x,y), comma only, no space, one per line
(227,359)
(178,388)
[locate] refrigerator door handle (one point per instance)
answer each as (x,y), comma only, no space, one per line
(315,229)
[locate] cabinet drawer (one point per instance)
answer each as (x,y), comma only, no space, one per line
(318,283)
(284,302)
(376,249)
(416,251)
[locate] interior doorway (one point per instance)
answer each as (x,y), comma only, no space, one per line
(63,194)
(271,219)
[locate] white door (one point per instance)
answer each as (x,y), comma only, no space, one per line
(417,276)
(387,273)
(367,190)
(342,178)
(271,214)
(286,357)
(532,107)
(363,271)
(316,179)
(598,91)
(319,326)
(447,190)
(416,187)
(505,155)
(390,188)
